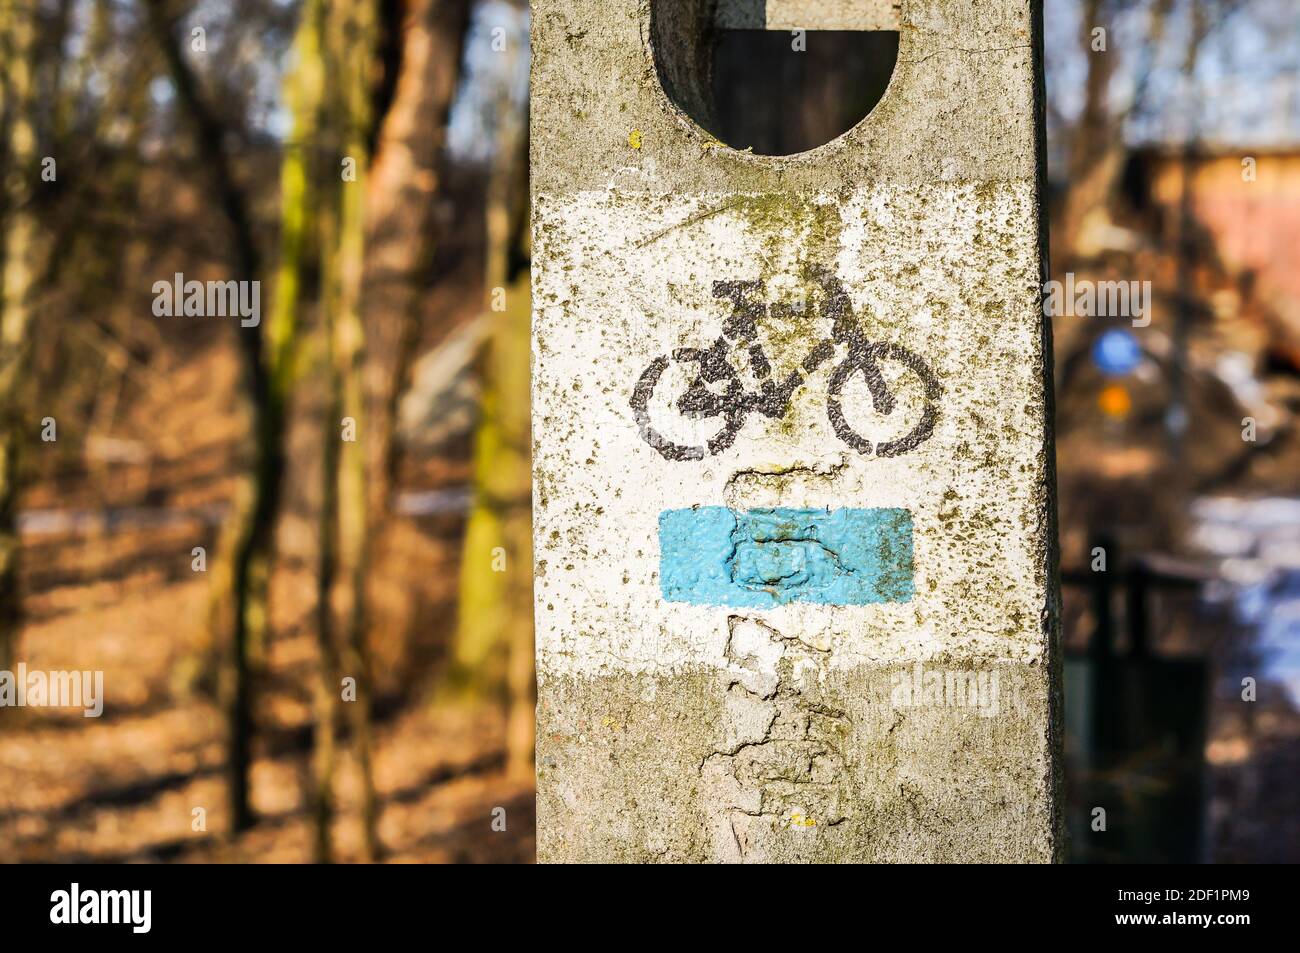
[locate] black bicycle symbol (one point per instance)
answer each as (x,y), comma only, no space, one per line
(734,403)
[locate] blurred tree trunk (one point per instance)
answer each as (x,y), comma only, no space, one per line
(494,643)
(401,199)
(351,40)
(329,684)
(301,195)
(18,23)
(240,577)
(513,387)
(380,241)
(1185,246)
(494,639)
(1097,149)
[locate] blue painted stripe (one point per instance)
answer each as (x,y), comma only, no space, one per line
(713,555)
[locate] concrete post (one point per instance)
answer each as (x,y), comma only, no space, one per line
(793,486)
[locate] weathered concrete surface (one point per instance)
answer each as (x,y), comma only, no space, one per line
(917,730)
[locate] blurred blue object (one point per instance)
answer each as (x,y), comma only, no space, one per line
(1116,352)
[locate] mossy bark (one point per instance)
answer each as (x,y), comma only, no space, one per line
(18,57)
(350,42)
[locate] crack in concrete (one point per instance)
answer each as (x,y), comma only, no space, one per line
(782,760)
(687,222)
(970,52)
(753,479)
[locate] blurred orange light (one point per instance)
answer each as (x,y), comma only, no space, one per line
(1114,400)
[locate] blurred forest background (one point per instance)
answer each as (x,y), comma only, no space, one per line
(300,551)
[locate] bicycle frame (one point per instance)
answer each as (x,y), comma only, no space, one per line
(734,403)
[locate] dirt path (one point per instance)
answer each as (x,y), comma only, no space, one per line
(124,787)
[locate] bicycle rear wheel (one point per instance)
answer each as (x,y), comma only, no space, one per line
(867,363)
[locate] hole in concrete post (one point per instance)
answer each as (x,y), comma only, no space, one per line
(753,79)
